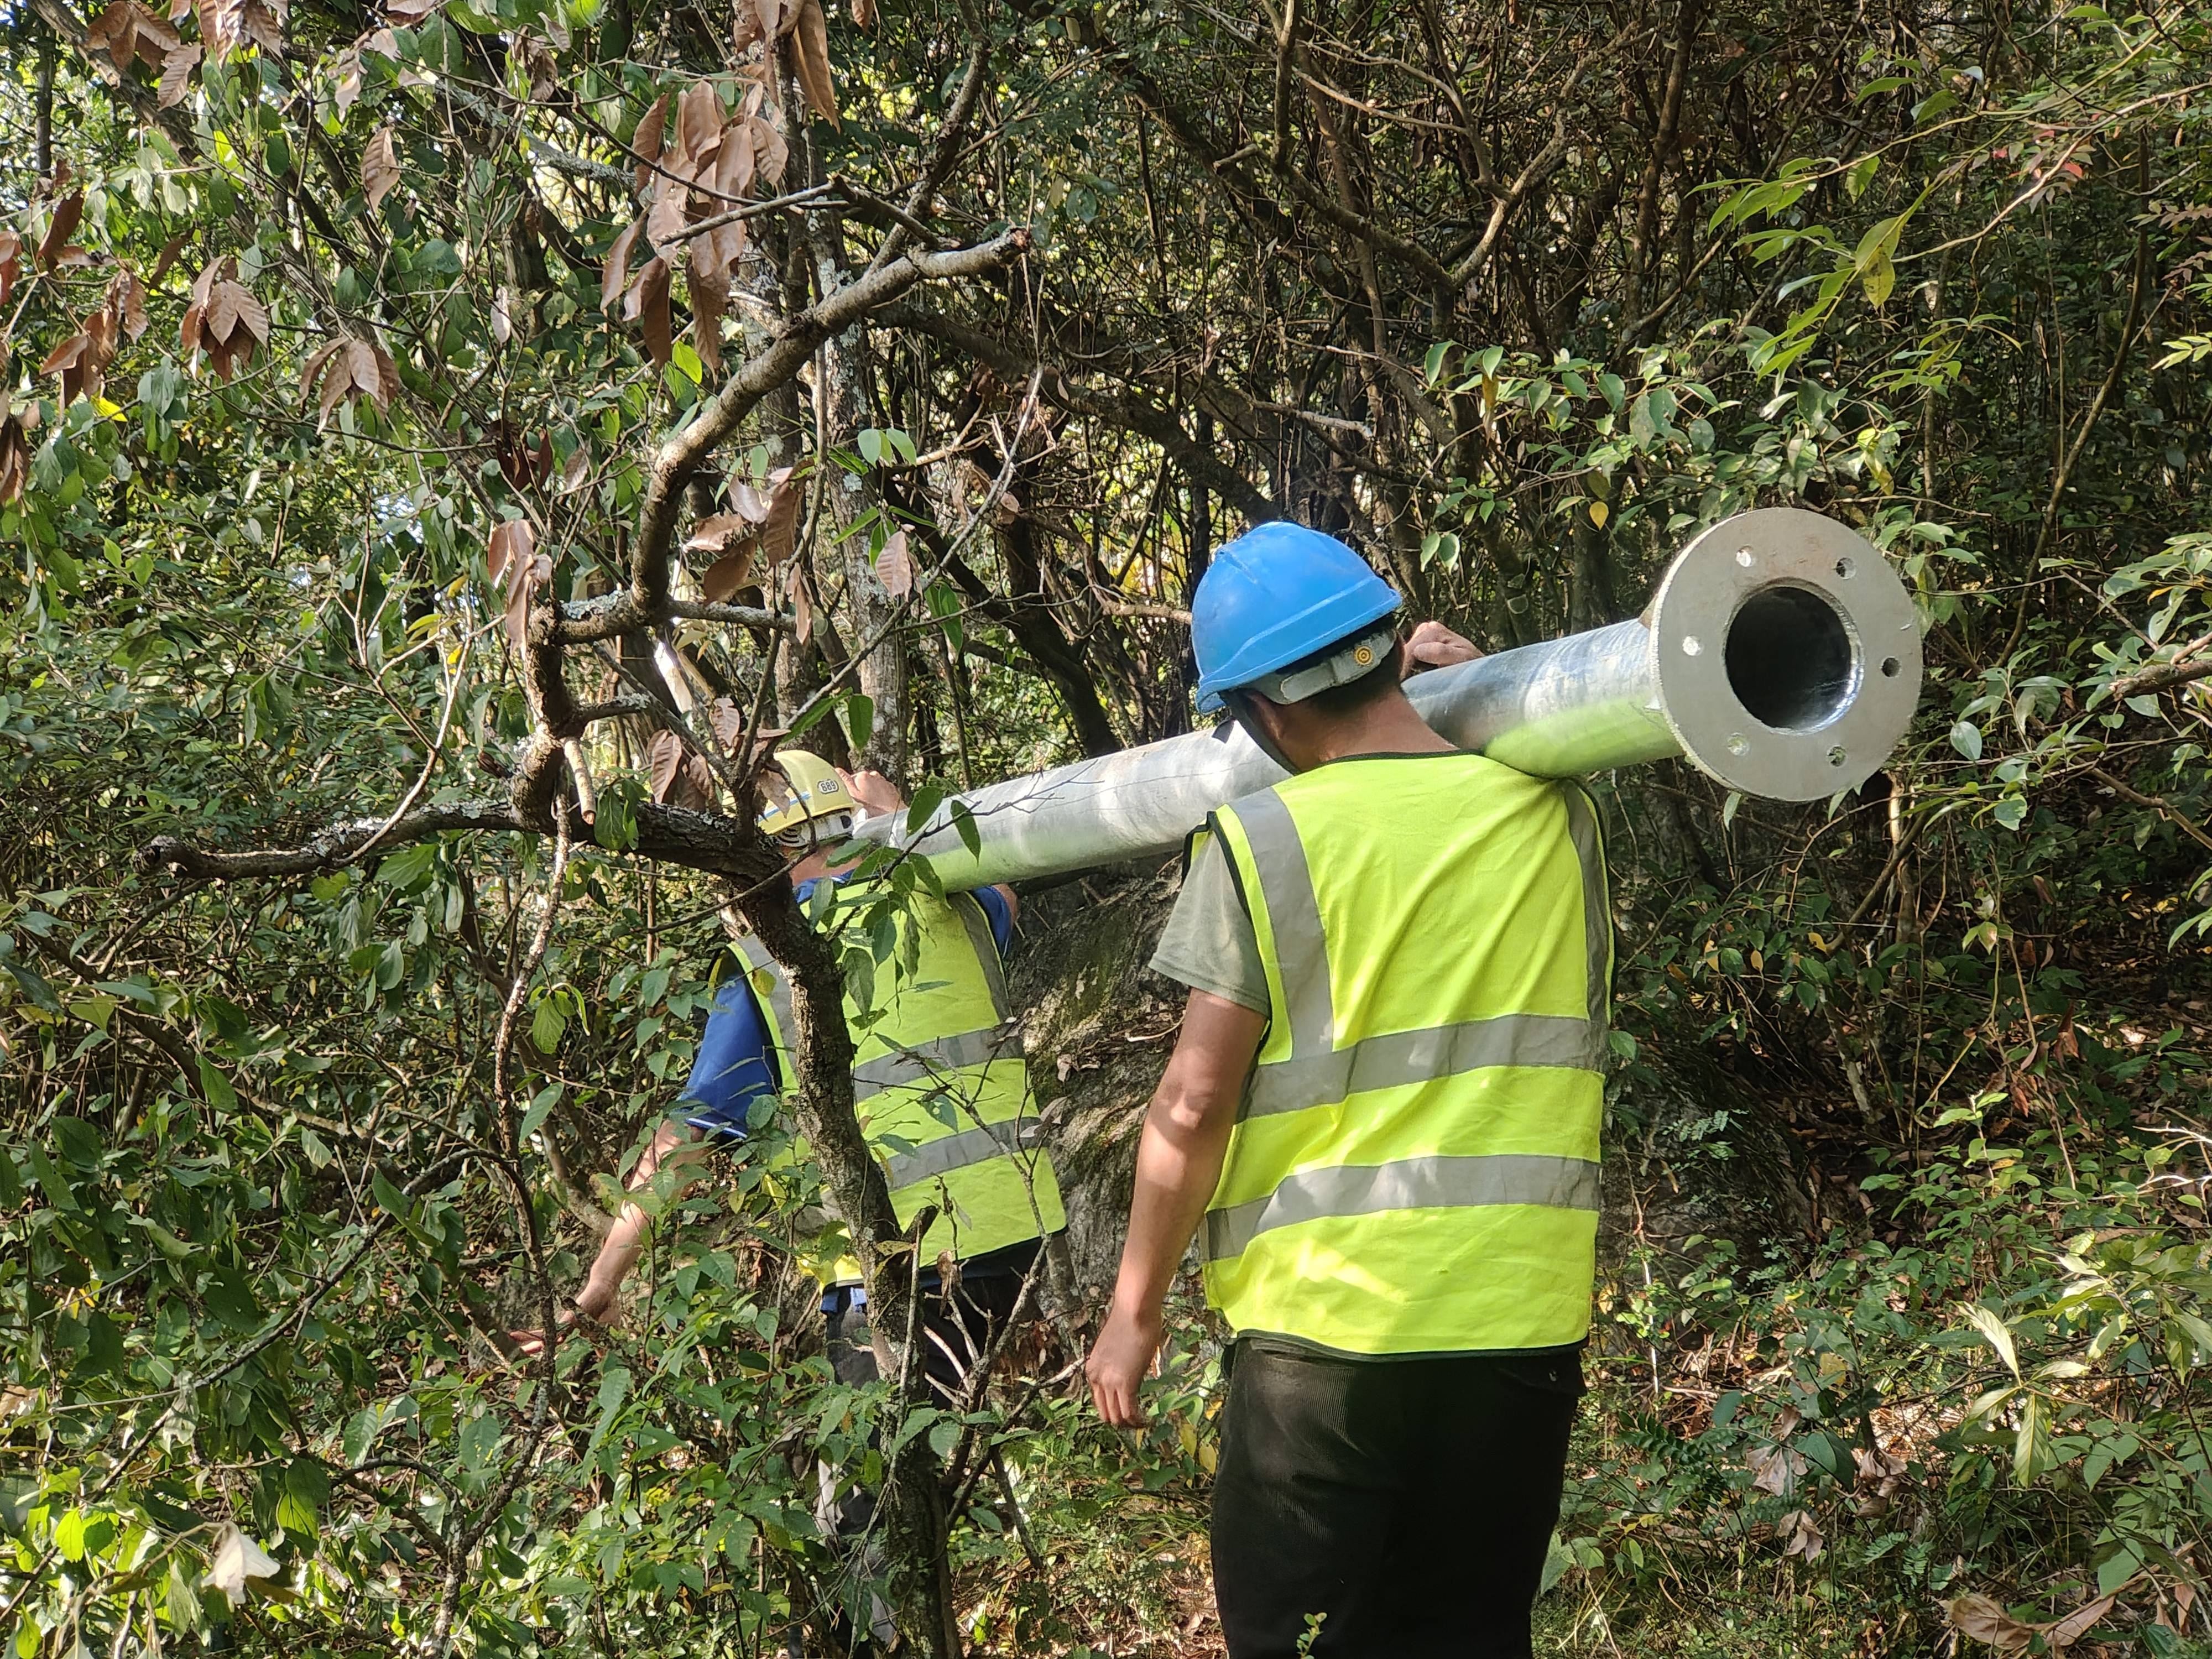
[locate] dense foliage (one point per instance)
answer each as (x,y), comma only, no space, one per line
(441,441)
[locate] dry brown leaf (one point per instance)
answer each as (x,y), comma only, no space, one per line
(745,28)
(680,773)
(770,153)
(253,314)
(1803,1534)
(1986,1621)
(407,13)
(223,309)
(780,530)
(170,250)
(387,374)
(895,567)
(649,305)
(663,224)
(500,547)
(15,460)
(1775,1470)
(126,297)
(727,574)
(11,262)
(336,385)
(698,121)
(511,550)
(323,354)
(177,77)
(347,93)
(617,279)
(67,213)
(709,295)
(365,374)
(576,471)
(864,13)
(714,535)
(380,168)
(726,722)
(115,32)
(748,503)
(802,613)
(811,59)
(2077,1624)
(645,142)
(156,39)
(775,17)
(262,21)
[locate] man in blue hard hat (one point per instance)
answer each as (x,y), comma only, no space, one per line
(1381,1120)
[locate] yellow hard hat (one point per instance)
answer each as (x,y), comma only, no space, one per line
(819,807)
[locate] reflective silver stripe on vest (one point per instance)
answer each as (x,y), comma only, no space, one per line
(1301,951)
(918,1062)
(1597,913)
(1414,1183)
(1383,1062)
(1318,1072)
(779,995)
(969,910)
(969,1146)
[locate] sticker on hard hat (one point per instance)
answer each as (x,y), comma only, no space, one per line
(1363,655)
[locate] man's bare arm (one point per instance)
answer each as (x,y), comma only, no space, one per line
(1178,1165)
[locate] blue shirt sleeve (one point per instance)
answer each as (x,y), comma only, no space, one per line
(1000,914)
(732,1068)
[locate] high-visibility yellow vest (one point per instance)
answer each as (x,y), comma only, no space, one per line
(939,1080)
(1414,1165)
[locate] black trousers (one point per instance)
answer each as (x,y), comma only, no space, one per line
(1408,1502)
(955,1330)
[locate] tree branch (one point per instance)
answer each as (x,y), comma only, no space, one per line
(681,456)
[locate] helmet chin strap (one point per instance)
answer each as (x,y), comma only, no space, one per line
(1238,704)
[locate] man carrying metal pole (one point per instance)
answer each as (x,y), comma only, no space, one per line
(938,1079)
(1383,1108)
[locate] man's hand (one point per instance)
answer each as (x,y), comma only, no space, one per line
(1434,646)
(594,1320)
(876,794)
(1119,1363)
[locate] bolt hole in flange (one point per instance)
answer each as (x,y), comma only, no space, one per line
(1790,658)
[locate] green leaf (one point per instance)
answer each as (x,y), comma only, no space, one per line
(963,822)
(1432,366)
(534,1118)
(1967,738)
(1995,1332)
(2011,812)
(1879,279)
(1860,173)
(547,1024)
(859,711)
(216,1087)
(927,800)
(34,986)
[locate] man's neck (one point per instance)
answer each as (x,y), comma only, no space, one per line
(1390,727)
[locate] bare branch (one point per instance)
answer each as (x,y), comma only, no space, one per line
(646,601)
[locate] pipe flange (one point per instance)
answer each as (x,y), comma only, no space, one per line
(1787,653)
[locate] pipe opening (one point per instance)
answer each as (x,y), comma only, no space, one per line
(1790,657)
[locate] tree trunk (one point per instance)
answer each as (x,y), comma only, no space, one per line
(912,1511)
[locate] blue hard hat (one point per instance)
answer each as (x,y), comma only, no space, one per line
(1278,593)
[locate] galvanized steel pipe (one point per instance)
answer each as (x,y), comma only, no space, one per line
(1780,655)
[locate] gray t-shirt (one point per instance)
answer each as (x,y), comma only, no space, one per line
(1208,943)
